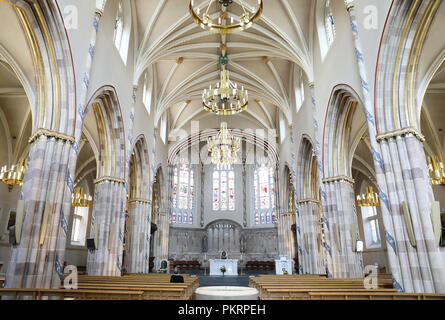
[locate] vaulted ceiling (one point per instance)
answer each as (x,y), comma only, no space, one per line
(181,60)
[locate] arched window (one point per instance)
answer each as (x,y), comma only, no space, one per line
(223,190)
(163,128)
(147,93)
(371,227)
(122,29)
(264,194)
(299,88)
(329,23)
(183,195)
(119,26)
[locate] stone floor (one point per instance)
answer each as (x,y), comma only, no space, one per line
(242,280)
(229,281)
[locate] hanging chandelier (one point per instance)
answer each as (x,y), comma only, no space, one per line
(226,98)
(370,199)
(13,175)
(436,171)
(80,199)
(224,147)
(245,21)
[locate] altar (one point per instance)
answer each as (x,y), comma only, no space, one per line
(231,266)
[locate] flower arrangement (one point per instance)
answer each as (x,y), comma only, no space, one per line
(285,272)
(223,269)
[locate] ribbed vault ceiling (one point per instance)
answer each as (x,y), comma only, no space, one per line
(182,59)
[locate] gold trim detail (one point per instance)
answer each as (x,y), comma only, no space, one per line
(139,200)
(109,179)
(402,132)
(51,134)
(339,179)
(315,201)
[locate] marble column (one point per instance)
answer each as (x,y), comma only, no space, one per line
(109,219)
(37,260)
(139,232)
(342,216)
(402,176)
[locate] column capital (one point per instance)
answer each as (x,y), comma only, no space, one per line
(139,200)
(401,133)
(303,201)
(51,134)
(338,179)
(109,179)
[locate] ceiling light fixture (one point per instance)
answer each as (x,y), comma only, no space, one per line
(370,199)
(436,171)
(226,98)
(246,20)
(224,147)
(13,175)
(80,199)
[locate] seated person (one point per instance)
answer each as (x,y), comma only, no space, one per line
(176,277)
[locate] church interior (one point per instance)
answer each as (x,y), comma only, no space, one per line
(291,148)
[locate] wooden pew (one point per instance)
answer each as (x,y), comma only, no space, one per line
(305,293)
(153,286)
(299,286)
(62,294)
(374,296)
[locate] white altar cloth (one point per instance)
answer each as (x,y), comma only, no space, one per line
(231,266)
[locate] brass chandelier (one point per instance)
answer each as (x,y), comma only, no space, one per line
(436,171)
(224,147)
(80,199)
(13,175)
(370,199)
(226,98)
(246,20)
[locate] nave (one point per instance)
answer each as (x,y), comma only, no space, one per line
(291,147)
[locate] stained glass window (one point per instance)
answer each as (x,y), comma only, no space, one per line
(223,190)
(264,195)
(183,195)
(215,191)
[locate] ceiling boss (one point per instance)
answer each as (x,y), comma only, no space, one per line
(235,23)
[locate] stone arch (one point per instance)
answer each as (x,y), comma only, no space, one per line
(138,227)
(337,151)
(307,173)
(310,231)
(107,111)
(401,46)
(140,170)
(339,205)
(416,268)
(54,105)
(48,183)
